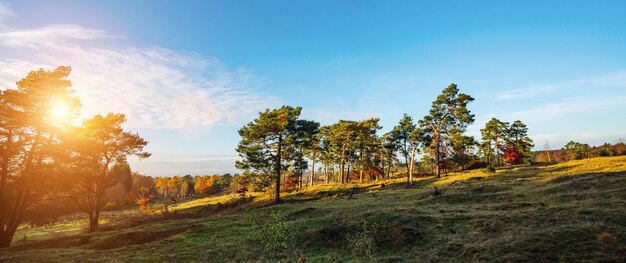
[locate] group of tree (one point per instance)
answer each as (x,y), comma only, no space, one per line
(575,151)
(46,160)
(171,188)
(279,148)
(506,143)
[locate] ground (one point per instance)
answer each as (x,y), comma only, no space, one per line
(574,211)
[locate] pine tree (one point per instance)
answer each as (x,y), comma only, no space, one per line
(448,111)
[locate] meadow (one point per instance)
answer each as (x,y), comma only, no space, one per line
(572,211)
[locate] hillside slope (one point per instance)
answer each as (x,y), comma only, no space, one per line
(573,211)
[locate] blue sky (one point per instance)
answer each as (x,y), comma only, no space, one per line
(188,74)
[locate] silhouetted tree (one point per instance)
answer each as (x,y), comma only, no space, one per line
(100,144)
(30,142)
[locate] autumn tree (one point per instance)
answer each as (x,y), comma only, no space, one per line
(449,111)
(32,119)
(101,143)
(264,140)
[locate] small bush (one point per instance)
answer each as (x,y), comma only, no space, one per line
(278,236)
(490,169)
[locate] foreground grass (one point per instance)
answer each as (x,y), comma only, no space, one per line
(574,211)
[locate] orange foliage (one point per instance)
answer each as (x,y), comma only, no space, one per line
(204,184)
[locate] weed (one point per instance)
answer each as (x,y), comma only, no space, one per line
(278,236)
(363,242)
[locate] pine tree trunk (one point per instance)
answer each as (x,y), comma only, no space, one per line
(361,170)
(348,172)
(342,164)
(312,169)
(278,159)
(410,179)
(438,158)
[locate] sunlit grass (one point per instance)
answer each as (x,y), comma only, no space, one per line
(592,165)
(211,200)
(462,176)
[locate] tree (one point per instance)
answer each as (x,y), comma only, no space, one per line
(401,135)
(577,150)
(517,136)
(100,144)
(408,138)
(494,135)
(388,149)
(29,142)
(448,111)
(121,173)
(546,148)
(327,153)
(341,136)
(264,139)
(305,140)
(366,143)
(416,139)
(462,147)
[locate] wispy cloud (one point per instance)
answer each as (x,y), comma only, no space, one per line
(569,107)
(49,36)
(156,87)
(524,93)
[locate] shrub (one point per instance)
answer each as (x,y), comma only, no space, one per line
(490,169)
(278,236)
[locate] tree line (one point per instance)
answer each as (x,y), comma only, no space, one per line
(279,148)
(576,151)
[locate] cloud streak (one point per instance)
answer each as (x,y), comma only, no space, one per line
(525,93)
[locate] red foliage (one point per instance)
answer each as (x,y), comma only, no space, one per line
(512,155)
(291,182)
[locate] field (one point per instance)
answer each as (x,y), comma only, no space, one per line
(574,211)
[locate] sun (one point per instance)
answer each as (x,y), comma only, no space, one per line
(59,112)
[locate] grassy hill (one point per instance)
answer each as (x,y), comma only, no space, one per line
(574,211)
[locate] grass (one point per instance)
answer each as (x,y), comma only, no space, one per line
(573,211)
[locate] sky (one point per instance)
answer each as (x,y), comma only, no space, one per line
(189,74)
